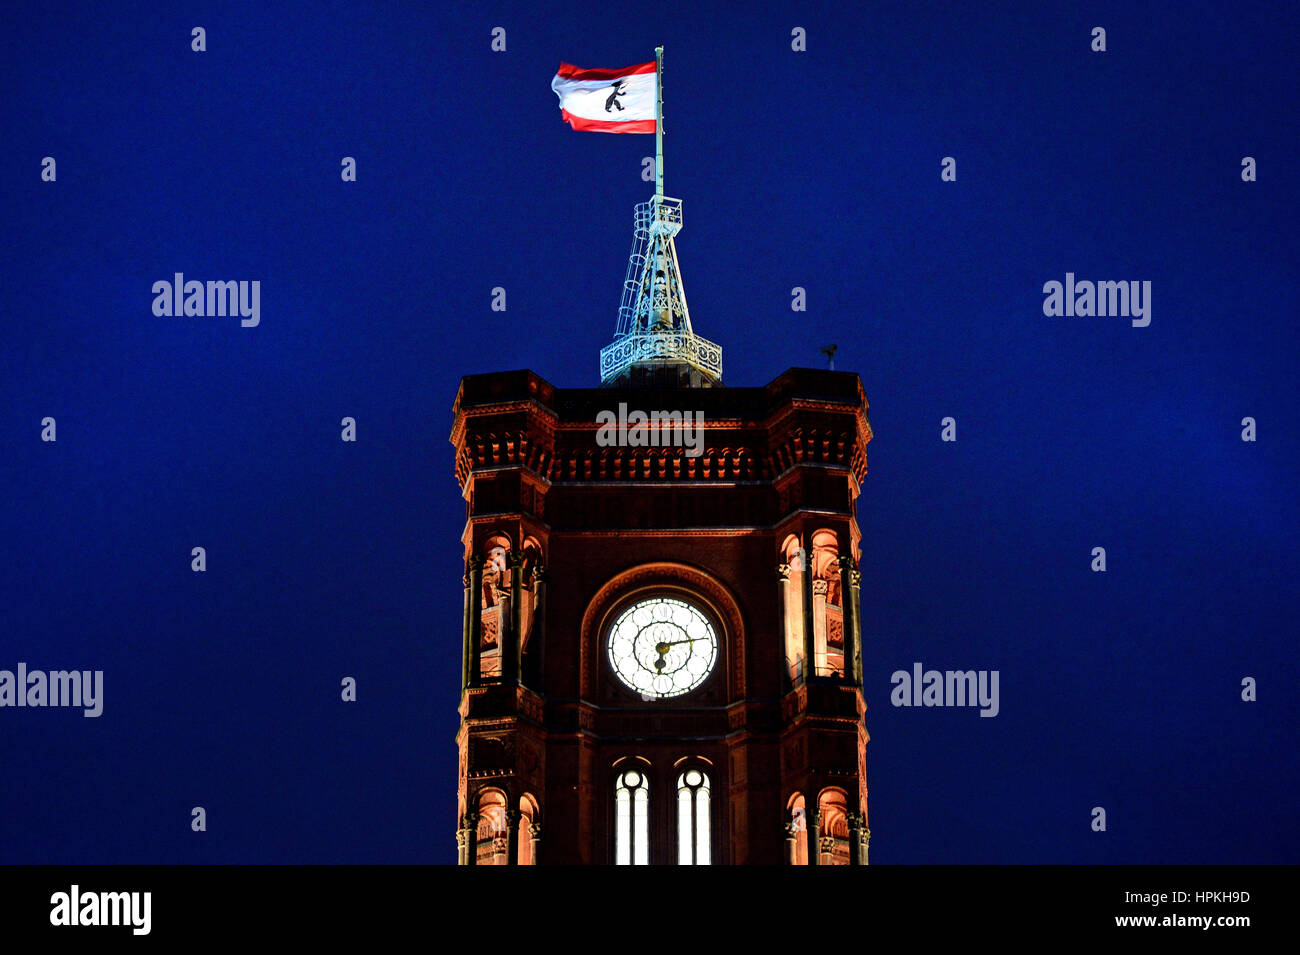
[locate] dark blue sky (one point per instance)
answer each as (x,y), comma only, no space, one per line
(816,169)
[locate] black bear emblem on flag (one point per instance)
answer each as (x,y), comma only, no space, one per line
(619,89)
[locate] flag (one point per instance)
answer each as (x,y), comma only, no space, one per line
(607,101)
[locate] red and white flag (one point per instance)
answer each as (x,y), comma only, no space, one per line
(607,101)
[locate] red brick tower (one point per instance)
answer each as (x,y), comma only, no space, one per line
(662,640)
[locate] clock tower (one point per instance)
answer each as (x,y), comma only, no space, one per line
(662,641)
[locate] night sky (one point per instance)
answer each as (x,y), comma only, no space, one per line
(817,169)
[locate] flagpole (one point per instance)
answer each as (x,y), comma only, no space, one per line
(659,122)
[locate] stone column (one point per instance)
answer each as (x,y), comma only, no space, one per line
(809,635)
(535,843)
(855,581)
(820,630)
(471,838)
(791,842)
(865,844)
(782,598)
(855,838)
(512,836)
(475,619)
(510,661)
(813,819)
(849,609)
(466,649)
(827,845)
(462,841)
(538,636)
(502,608)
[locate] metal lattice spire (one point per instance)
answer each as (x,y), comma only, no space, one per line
(654,324)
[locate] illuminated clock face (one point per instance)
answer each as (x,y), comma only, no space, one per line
(662,647)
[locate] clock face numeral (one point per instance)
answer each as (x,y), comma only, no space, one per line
(662,647)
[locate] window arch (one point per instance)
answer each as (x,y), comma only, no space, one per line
(529,826)
(834,847)
(492,822)
(693,584)
(694,836)
(632,817)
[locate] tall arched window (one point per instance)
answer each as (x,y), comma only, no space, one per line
(632,819)
(693,844)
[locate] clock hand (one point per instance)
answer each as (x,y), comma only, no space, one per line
(662,648)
